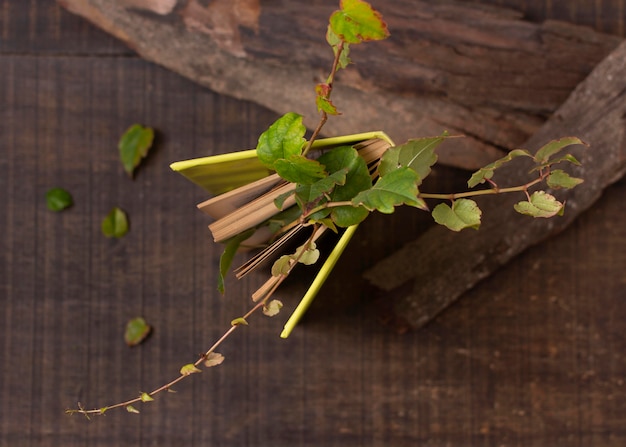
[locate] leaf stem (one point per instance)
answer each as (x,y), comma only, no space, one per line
(329,82)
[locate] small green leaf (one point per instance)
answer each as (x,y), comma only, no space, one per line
(541,204)
(398,187)
(326,105)
(131,409)
(418,154)
(103,410)
(299,169)
(134,145)
(544,154)
(226,260)
(115,224)
(272,308)
(357,22)
(311,193)
(463,214)
(487,172)
(309,256)
(57,199)
(213,359)
(561,179)
(145,397)
(136,331)
(280,200)
(334,41)
(282,265)
(239,322)
(189,369)
(281,140)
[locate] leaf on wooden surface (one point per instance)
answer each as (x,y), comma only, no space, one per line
(239,322)
(464,213)
(213,359)
(134,146)
(115,224)
(131,409)
(189,369)
(272,308)
(145,397)
(58,199)
(137,330)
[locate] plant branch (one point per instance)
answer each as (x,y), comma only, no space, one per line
(329,82)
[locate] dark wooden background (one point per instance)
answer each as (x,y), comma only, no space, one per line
(534,356)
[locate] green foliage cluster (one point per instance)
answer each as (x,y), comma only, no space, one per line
(337,189)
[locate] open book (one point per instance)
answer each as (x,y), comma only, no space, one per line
(244,194)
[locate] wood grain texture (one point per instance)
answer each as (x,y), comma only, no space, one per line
(476,70)
(528,359)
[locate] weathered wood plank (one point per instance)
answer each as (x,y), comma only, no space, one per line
(470,69)
(439,266)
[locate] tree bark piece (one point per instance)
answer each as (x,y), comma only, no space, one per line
(431,272)
(476,70)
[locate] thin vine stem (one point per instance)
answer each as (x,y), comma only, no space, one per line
(205,355)
(324,117)
(443,196)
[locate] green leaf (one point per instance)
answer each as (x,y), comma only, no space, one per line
(309,256)
(312,193)
(282,265)
(280,200)
(213,359)
(334,41)
(418,154)
(226,259)
(396,188)
(299,169)
(281,140)
(544,154)
(136,331)
(134,145)
(561,179)
(57,199)
(463,214)
(357,179)
(145,397)
(131,409)
(357,22)
(189,369)
(115,224)
(241,321)
(569,158)
(541,204)
(487,172)
(272,308)
(326,105)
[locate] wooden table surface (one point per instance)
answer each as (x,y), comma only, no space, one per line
(534,356)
